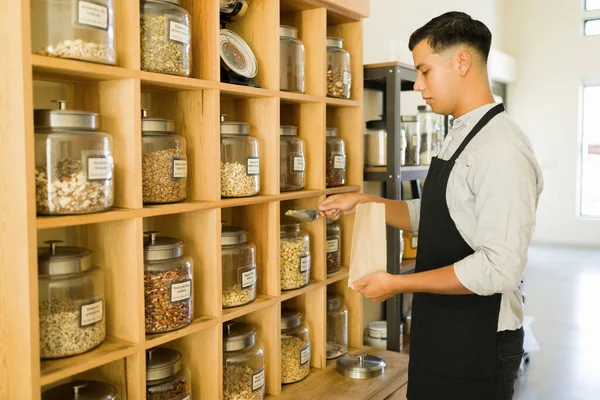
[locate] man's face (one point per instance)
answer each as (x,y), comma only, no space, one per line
(437,79)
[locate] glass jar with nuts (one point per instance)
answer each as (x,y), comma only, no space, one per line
(166,376)
(243,363)
(240,161)
(337,327)
(335,159)
(295,347)
(291,153)
(165,37)
(333,247)
(167,284)
(295,256)
(239,267)
(339,78)
(73,162)
(164,162)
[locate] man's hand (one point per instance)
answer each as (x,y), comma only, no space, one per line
(340,204)
(378,286)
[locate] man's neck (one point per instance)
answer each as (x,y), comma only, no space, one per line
(475,98)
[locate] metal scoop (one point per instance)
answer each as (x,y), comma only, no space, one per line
(303,215)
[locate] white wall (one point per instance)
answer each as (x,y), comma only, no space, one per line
(553,60)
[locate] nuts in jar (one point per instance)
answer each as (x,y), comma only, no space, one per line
(295,257)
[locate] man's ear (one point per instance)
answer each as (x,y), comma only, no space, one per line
(464,60)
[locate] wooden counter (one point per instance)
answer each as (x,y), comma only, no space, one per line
(329,384)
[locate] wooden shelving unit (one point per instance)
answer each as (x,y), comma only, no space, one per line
(118,94)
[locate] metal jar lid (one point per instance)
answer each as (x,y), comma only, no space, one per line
(335,42)
(288,31)
(238,336)
(233,128)
(409,118)
(331,132)
(362,366)
(334,301)
(162,363)
(377,124)
(290,318)
(58,260)
(81,390)
(231,235)
(288,130)
(65,119)
(425,108)
(158,248)
(378,330)
(156,124)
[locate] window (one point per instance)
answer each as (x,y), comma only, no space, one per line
(592,27)
(592,5)
(590,157)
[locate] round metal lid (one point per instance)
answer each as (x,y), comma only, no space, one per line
(162,363)
(65,119)
(236,55)
(288,31)
(288,130)
(378,330)
(235,128)
(238,336)
(156,124)
(231,235)
(158,248)
(425,107)
(376,125)
(290,318)
(81,390)
(331,132)
(334,301)
(58,260)
(362,366)
(409,118)
(178,2)
(335,42)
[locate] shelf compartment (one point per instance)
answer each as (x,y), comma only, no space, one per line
(353,301)
(259,303)
(343,273)
(197,325)
(63,70)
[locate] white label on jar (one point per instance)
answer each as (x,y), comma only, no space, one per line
(414,141)
(248,278)
(414,241)
(332,245)
(339,162)
(98,168)
(92,313)
(92,14)
(304,264)
(179,168)
(305,355)
(258,380)
(179,32)
(299,164)
(346,77)
(252,166)
(181,291)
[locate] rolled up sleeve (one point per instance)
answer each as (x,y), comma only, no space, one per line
(414,211)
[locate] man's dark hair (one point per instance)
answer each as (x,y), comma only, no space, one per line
(451,29)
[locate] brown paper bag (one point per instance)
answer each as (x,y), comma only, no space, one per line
(369,250)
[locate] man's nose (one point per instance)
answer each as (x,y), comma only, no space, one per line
(419,86)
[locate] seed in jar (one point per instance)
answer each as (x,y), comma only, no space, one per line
(335,350)
(292,252)
(235,182)
(80,50)
(334,177)
(158,53)
(161,314)
(236,296)
(158,183)
(237,383)
(291,368)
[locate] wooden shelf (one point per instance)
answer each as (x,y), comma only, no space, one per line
(343,273)
(259,303)
(197,325)
(333,102)
(290,294)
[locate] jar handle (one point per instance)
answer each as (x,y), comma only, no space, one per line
(152,235)
(145,112)
(223,117)
(77,387)
(361,360)
(53,244)
(62,104)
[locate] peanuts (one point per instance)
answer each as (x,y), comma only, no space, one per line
(81,50)
(235,182)
(295,263)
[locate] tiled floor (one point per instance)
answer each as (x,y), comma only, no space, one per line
(562,288)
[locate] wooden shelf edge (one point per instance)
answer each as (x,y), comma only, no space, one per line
(44,66)
(290,294)
(196,326)
(116,214)
(331,101)
(343,273)
(259,303)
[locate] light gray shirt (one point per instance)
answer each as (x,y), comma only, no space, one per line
(492,196)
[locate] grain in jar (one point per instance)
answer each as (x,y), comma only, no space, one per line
(292,165)
(166,376)
(295,256)
(335,159)
(238,259)
(240,161)
(295,346)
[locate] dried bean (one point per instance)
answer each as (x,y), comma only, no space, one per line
(292,253)
(235,182)
(81,50)
(333,262)
(172,389)
(334,177)
(158,183)
(161,314)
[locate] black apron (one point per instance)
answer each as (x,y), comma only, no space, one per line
(453,337)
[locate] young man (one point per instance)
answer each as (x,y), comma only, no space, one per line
(475,222)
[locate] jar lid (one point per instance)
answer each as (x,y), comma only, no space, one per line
(409,118)
(334,301)
(362,366)
(156,124)
(425,108)
(162,363)
(289,224)
(238,336)
(378,330)
(158,248)
(335,42)
(234,128)
(231,235)
(236,55)
(288,130)
(65,119)
(58,260)
(331,132)
(290,318)
(81,390)
(288,31)
(377,124)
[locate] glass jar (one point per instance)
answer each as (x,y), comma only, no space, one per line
(73,162)
(240,161)
(165,37)
(164,162)
(376,144)
(80,389)
(376,335)
(243,363)
(412,132)
(167,284)
(166,377)
(336,159)
(291,153)
(295,256)
(333,247)
(337,327)
(75,29)
(429,127)
(238,258)
(71,301)
(339,78)
(291,60)
(295,347)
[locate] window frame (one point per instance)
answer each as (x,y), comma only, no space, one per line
(583,151)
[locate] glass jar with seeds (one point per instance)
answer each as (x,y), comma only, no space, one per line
(337,327)
(81,389)
(333,247)
(295,346)
(73,162)
(164,161)
(165,37)
(291,60)
(75,29)
(335,159)
(168,284)
(243,363)
(295,256)
(240,160)
(339,77)
(238,259)
(71,301)
(166,376)
(291,153)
